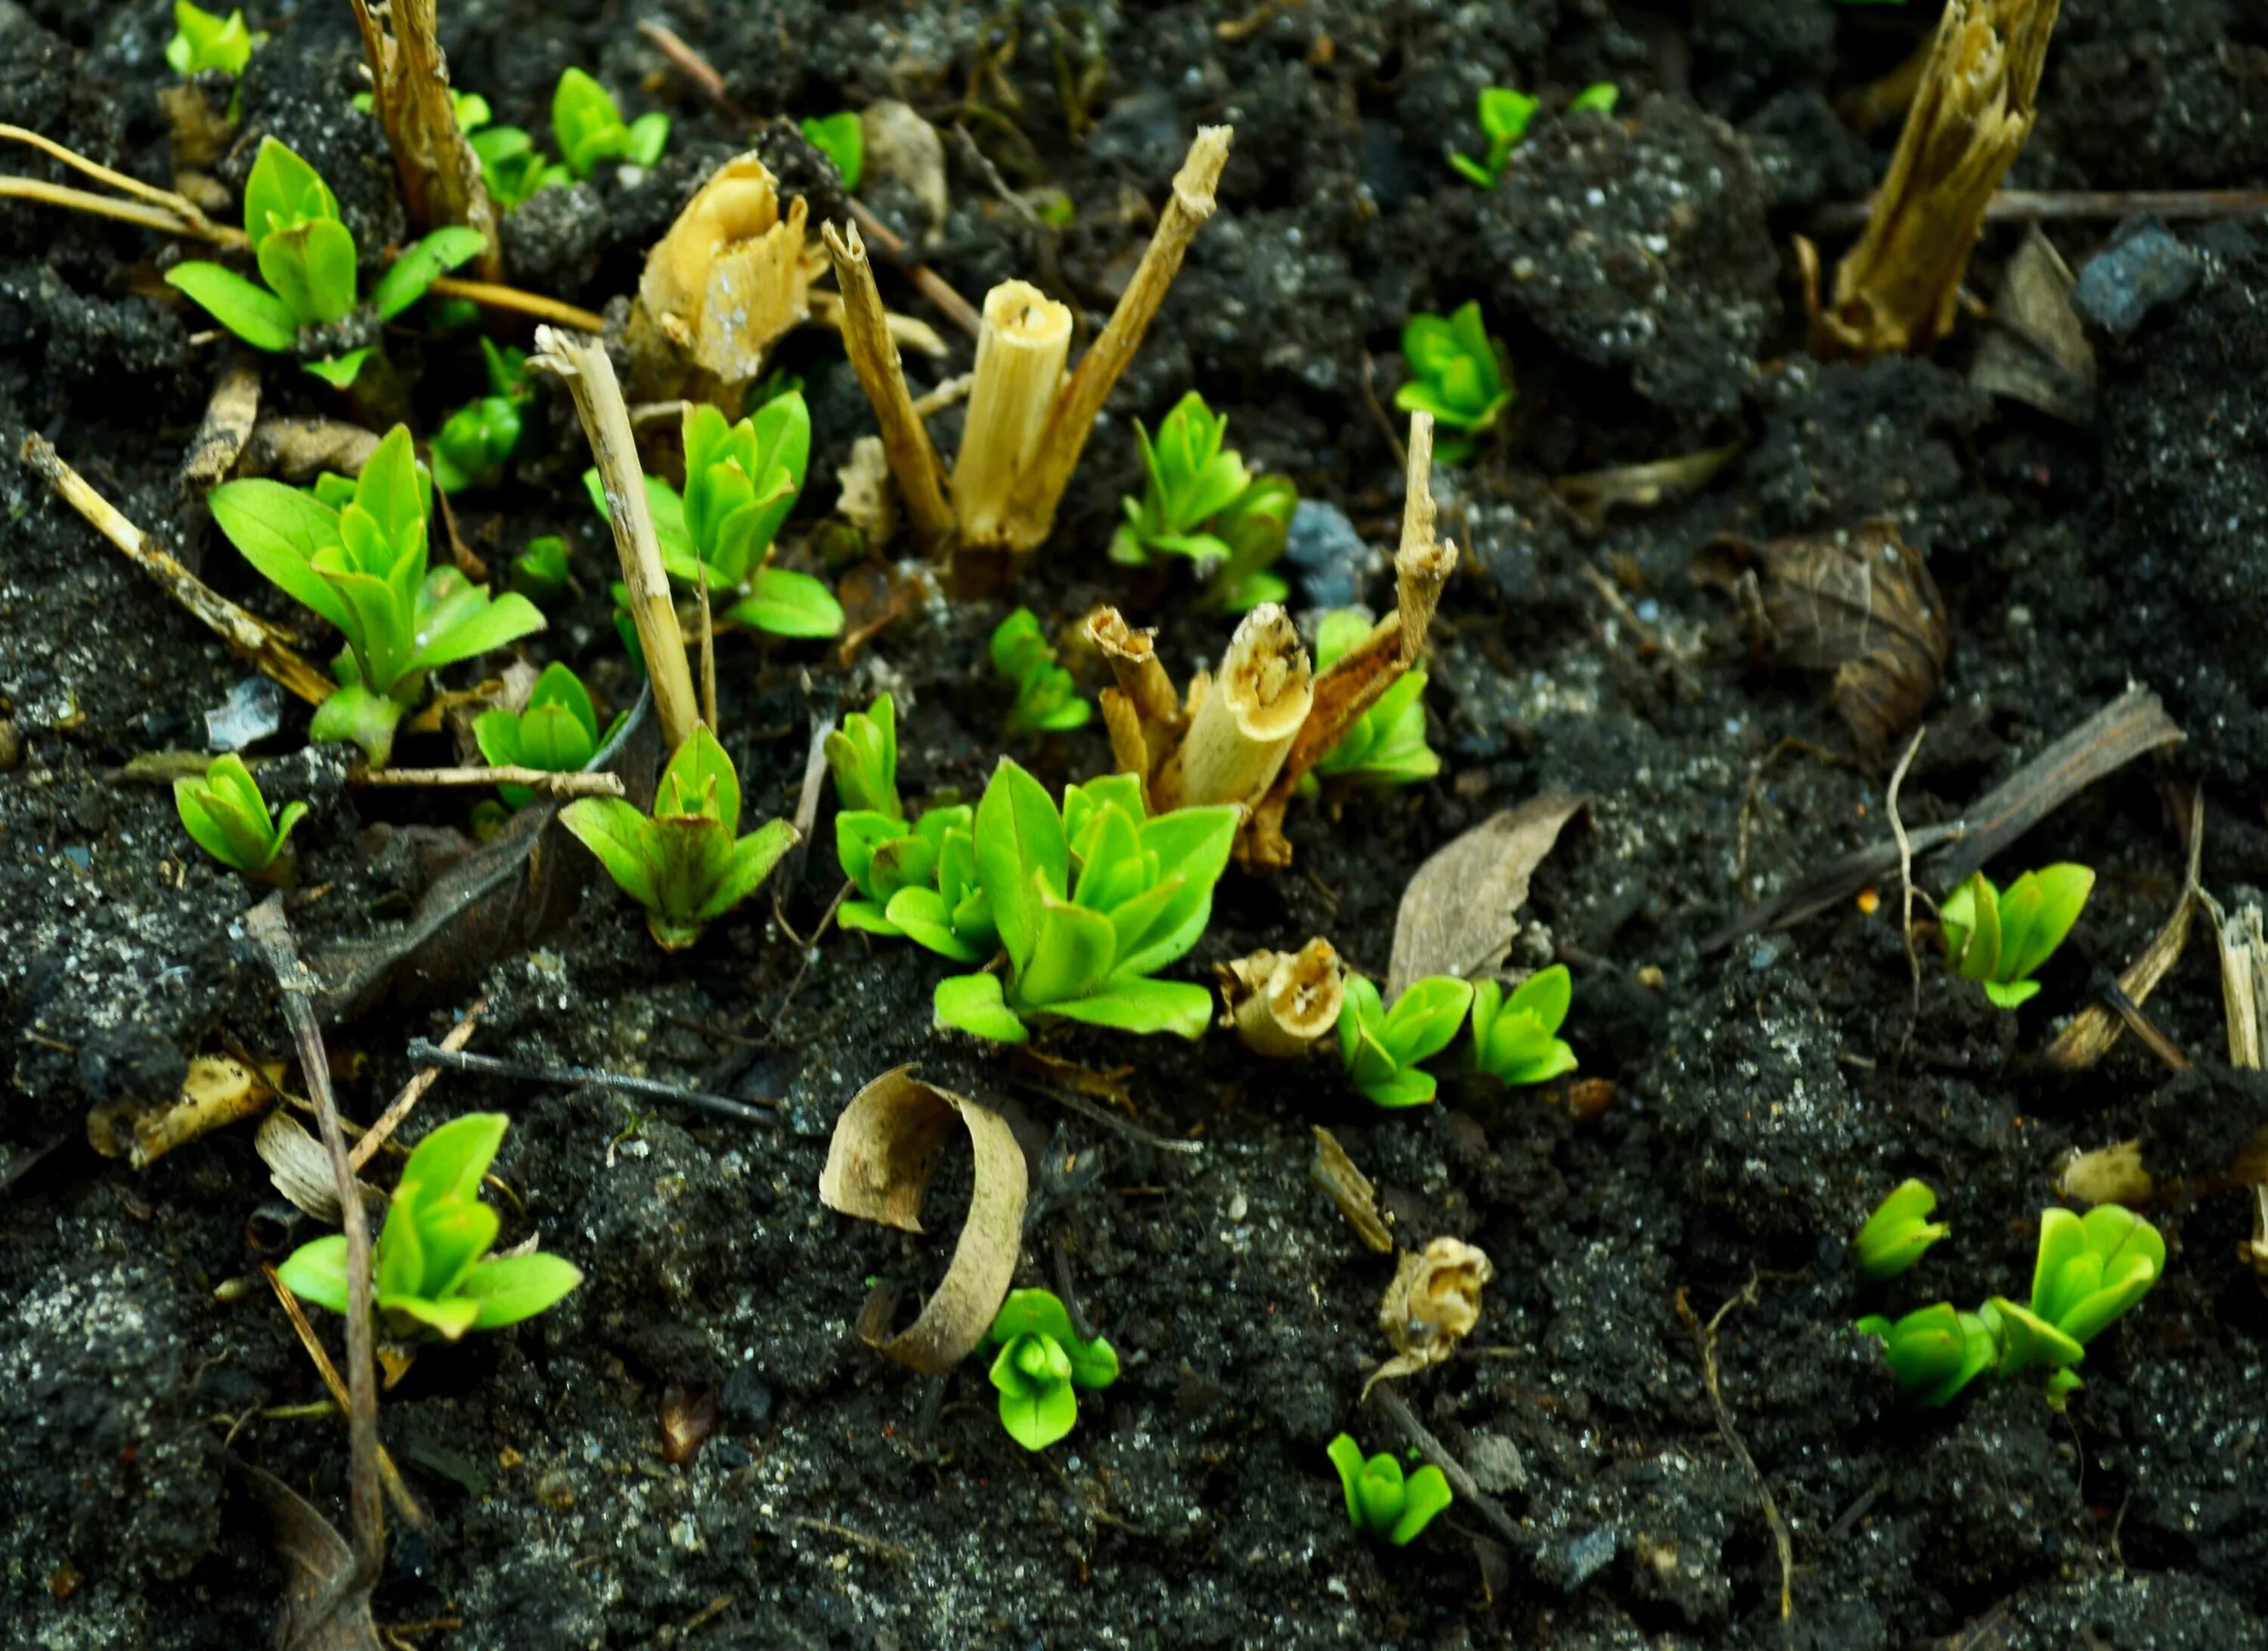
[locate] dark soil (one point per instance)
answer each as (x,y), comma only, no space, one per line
(1766,1093)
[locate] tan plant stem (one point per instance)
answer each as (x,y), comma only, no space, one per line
(249,635)
(1244,726)
(573,784)
(907,332)
(875,358)
(165,222)
(409,93)
(1143,714)
(397,1489)
(1040,489)
(390,1120)
(489,295)
(590,377)
(1019,369)
(174,214)
(1282,1004)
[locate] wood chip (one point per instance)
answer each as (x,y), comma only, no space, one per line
(1461,910)
(1334,1172)
(2089,1036)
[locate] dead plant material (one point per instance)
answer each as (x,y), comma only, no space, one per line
(1705,1338)
(1346,1186)
(227,425)
(569,1077)
(689,1415)
(2089,1036)
(549,783)
(2037,351)
(2108,1175)
(299,1168)
(1241,720)
(1898,290)
(880,1163)
(409,94)
(249,635)
(218,1091)
(423,1079)
(2243,983)
(146,205)
(1593,494)
(864,500)
(1859,603)
(907,452)
(1462,908)
(535,305)
(326,1603)
(1432,1305)
(299,449)
(2253,1252)
(1281,1004)
(397,1489)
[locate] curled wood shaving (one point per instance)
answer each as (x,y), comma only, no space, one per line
(1460,909)
(1432,1305)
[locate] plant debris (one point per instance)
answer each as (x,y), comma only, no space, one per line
(1461,909)
(1432,1305)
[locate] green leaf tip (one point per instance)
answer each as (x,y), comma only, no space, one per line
(1381,1500)
(1044,1363)
(1898,1231)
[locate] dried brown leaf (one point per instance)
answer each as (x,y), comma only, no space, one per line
(1461,910)
(2089,1036)
(326,1600)
(2037,351)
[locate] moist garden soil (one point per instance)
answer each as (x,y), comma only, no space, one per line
(1765,1093)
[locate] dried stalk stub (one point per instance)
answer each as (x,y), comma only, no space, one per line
(1282,1004)
(409,94)
(1019,369)
(1432,1304)
(719,288)
(1897,290)
(1243,725)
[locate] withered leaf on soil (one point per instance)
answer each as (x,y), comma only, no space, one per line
(1860,602)
(1432,1304)
(2089,1036)
(1461,909)
(326,1601)
(2037,351)
(880,1163)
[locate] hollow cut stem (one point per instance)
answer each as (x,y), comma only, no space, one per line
(874,357)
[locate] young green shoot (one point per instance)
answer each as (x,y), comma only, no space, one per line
(511,167)
(1380,1048)
(205,39)
(226,815)
(359,558)
(541,571)
(1091,902)
(842,138)
(1198,501)
(1599,98)
(1512,1034)
(863,756)
(589,127)
(475,442)
(687,864)
(1935,1352)
(434,1275)
(1387,744)
(1047,700)
(306,261)
(1457,374)
(1504,116)
(2000,940)
(558,732)
(1042,1366)
(1381,1501)
(1898,1231)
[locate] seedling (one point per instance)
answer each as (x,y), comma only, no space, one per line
(1898,1231)
(306,260)
(1504,116)
(558,732)
(1042,1365)
(2001,940)
(1381,1047)
(1599,98)
(687,865)
(589,127)
(511,167)
(540,573)
(203,40)
(1512,1036)
(1199,501)
(1456,373)
(357,555)
(863,755)
(1381,1500)
(1386,746)
(1047,699)
(917,882)
(1091,903)
(434,1272)
(1935,1352)
(225,813)
(842,138)
(475,442)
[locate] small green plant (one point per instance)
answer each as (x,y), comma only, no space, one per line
(433,1274)
(1381,1501)
(1898,1231)
(842,138)
(1386,745)
(1513,1034)
(1043,1365)
(1199,501)
(589,127)
(541,571)
(229,818)
(356,552)
(2000,940)
(307,259)
(1504,116)
(863,756)
(1091,903)
(1457,374)
(687,865)
(1935,1352)
(1047,699)
(1599,98)
(1380,1048)
(917,881)
(511,167)
(742,480)
(203,40)
(475,442)
(558,732)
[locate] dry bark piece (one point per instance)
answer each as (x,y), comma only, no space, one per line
(1333,1171)
(2037,351)
(1860,602)
(409,94)
(2089,1036)
(216,1092)
(880,1163)
(297,448)
(1461,909)
(1434,1301)
(227,425)
(1282,1004)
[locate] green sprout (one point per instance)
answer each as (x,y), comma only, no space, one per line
(475,442)
(1935,1352)
(1504,117)
(307,259)
(1043,1362)
(2001,940)
(540,573)
(1599,98)
(357,555)
(589,127)
(1090,903)
(1512,1039)
(203,40)
(558,732)
(1387,744)
(842,138)
(225,813)
(915,883)
(1381,1047)
(863,755)
(687,865)
(432,1273)
(511,167)
(742,480)
(1047,699)
(1199,501)
(1898,1231)
(1456,373)
(1380,1499)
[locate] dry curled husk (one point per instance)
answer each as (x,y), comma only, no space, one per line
(1432,1304)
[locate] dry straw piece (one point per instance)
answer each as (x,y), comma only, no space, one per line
(409,94)
(1282,1004)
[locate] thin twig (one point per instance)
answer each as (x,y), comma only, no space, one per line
(397,1489)
(2142,1027)
(490,295)
(398,1108)
(574,783)
(151,218)
(1905,876)
(1704,1338)
(167,203)
(1384,1399)
(874,357)
(430,1054)
(1110,1120)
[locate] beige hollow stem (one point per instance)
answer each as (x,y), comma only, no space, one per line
(1020,352)
(874,356)
(726,281)
(1243,727)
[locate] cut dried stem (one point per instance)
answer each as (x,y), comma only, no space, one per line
(874,357)
(390,1120)
(1019,369)
(409,93)
(490,295)
(1282,1004)
(573,784)
(161,210)
(1247,719)
(730,277)
(1143,714)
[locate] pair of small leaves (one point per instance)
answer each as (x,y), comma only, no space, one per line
(1898,1231)
(685,864)
(475,442)
(1381,1500)
(1457,374)
(1387,744)
(589,127)
(842,138)
(917,883)
(205,39)
(557,733)
(1043,1362)
(1935,1352)
(1504,116)
(511,167)
(863,755)
(2001,940)
(1513,1034)
(226,815)
(1047,700)
(1380,1047)
(541,571)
